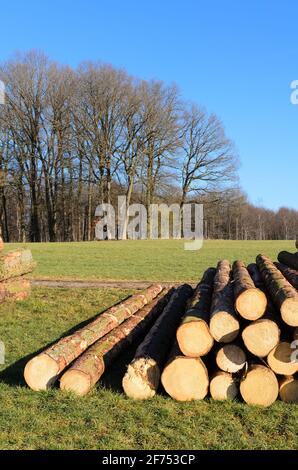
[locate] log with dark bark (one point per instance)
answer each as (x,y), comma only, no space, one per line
(193,334)
(143,373)
(283,359)
(259,386)
(230,358)
(250,302)
(89,367)
(288,389)
(185,378)
(223,386)
(290,274)
(282,292)
(289,259)
(16,263)
(224,324)
(43,370)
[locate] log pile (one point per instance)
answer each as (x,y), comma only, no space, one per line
(235,334)
(13,266)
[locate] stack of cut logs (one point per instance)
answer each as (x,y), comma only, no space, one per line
(13,266)
(234,334)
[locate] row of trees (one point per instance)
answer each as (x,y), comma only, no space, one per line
(71,139)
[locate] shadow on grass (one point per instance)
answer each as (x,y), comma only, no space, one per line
(14,374)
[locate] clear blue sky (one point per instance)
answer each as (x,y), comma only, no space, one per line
(237,58)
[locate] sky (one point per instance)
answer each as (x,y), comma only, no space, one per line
(236,58)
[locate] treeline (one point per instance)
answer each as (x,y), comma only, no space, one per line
(73,138)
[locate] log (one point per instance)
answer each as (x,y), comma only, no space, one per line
(223,386)
(143,373)
(261,336)
(259,386)
(288,389)
(224,325)
(290,259)
(290,274)
(282,359)
(16,263)
(281,291)
(185,378)
(230,358)
(193,334)
(250,302)
(43,370)
(89,367)
(15,290)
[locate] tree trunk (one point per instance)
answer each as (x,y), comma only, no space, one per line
(259,386)
(280,359)
(224,325)
(250,302)
(185,378)
(42,371)
(289,259)
(89,367)
(261,336)
(230,358)
(288,389)
(16,263)
(143,374)
(193,335)
(282,292)
(290,274)
(223,386)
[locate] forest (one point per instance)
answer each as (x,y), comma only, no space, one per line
(71,139)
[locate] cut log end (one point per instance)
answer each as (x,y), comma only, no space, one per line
(223,386)
(289,311)
(288,389)
(251,304)
(75,381)
(41,372)
(261,336)
(141,379)
(282,359)
(260,386)
(194,338)
(185,379)
(230,358)
(224,327)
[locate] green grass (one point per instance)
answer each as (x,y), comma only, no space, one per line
(106,419)
(145,259)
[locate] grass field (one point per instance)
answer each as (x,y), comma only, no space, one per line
(144,259)
(106,419)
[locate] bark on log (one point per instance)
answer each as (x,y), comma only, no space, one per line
(185,378)
(283,359)
(288,389)
(89,367)
(223,386)
(43,370)
(15,290)
(289,259)
(250,302)
(259,386)
(224,325)
(143,373)
(16,263)
(290,274)
(193,334)
(230,358)
(282,292)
